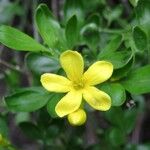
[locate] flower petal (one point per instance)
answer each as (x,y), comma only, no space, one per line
(69,103)
(99,72)
(55,83)
(73,65)
(97,99)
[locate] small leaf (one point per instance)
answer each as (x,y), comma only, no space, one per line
(138,81)
(49,28)
(31,130)
(122,72)
(3,127)
(40,64)
(27,100)
(18,40)
(140,38)
(116,92)
(118,59)
(116,137)
(74,7)
(112,46)
(90,35)
(71,31)
(52,103)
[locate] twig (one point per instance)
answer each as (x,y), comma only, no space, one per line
(10,66)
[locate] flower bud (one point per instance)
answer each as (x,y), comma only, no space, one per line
(77,118)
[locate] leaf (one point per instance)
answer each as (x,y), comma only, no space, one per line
(134,2)
(143,11)
(90,35)
(140,38)
(71,31)
(74,7)
(116,137)
(52,103)
(112,46)
(138,81)
(3,127)
(31,130)
(118,59)
(48,27)
(40,64)
(122,72)
(116,92)
(27,100)
(18,40)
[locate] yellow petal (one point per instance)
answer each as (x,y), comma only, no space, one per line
(69,103)
(72,63)
(99,100)
(77,118)
(55,83)
(99,72)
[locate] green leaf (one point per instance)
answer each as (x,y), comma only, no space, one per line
(71,31)
(143,11)
(3,127)
(90,35)
(116,137)
(40,64)
(18,40)
(118,59)
(112,46)
(49,28)
(52,103)
(31,130)
(140,38)
(122,72)
(138,81)
(116,92)
(74,7)
(27,100)
(134,2)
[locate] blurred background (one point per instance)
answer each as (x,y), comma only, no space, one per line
(125,127)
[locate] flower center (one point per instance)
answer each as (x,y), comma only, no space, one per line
(78,85)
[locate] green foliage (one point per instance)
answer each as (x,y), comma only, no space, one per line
(116,92)
(140,38)
(49,28)
(27,100)
(71,31)
(39,63)
(119,34)
(138,81)
(20,41)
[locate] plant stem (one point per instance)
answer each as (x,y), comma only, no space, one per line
(12,67)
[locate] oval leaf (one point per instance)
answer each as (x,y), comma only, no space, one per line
(116,92)
(27,100)
(138,81)
(18,40)
(140,38)
(40,64)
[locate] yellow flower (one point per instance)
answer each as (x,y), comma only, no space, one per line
(78,84)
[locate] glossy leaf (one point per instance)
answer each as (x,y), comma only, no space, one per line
(49,28)
(140,38)
(71,31)
(18,40)
(138,81)
(40,64)
(118,59)
(27,100)
(52,103)
(112,46)
(74,7)
(116,92)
